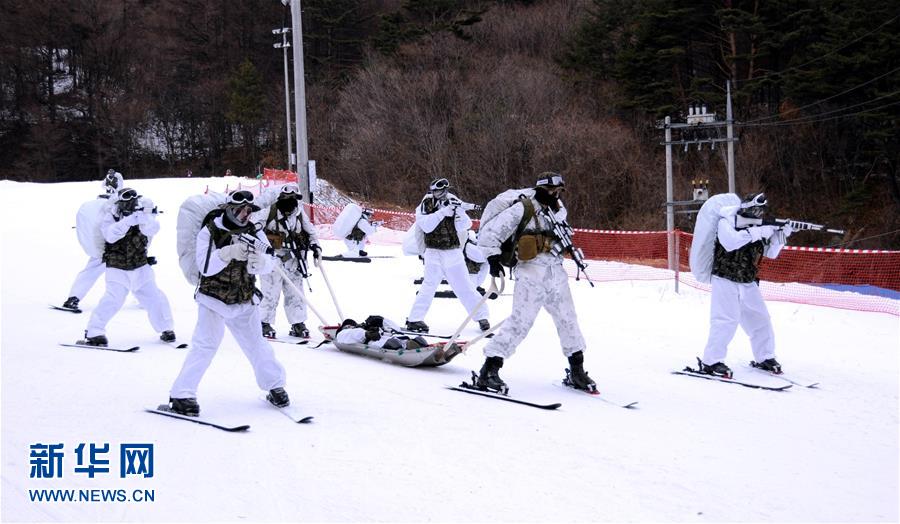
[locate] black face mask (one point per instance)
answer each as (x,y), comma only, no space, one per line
(286,205)
(545,198)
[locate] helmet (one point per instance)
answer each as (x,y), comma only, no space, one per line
(439,187)
(754,205)
(290,190)
(126,201)
(367,212)
(238,202)
(549,179)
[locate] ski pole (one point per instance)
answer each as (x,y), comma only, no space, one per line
(491,289)
(318,264)
(299,291)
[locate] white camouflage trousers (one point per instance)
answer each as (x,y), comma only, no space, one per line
(732,304)
(539,285)
(273,284)
(353,248)
(449,263)
(243,322)
(141,282)
(86,278)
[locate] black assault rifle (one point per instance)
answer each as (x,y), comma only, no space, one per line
(563,232)
(741,222)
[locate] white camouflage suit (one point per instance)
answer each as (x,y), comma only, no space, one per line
(140,281)
(354,246)
(273,283)
(736,303)
(213,315)
(449,263)
(540,282)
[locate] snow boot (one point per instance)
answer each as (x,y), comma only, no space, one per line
(299,330)
(577,376)
(719,369)
(484,325)
(99,340)
(488,377)
(771,365)
(278,397)
(167,336)
(363,253)
(71,303)
(417,326)
(185,406)
(267,330)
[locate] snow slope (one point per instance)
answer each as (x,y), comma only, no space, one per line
(391,444)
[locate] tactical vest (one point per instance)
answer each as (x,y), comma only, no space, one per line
(232,285)
(129,252)
(357,234)
(278,237)
(740,265)
(444,236)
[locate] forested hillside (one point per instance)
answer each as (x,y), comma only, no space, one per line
(486,93)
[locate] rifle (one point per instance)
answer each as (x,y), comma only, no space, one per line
(456,202)
(563,232)
(295,250)
(741,222)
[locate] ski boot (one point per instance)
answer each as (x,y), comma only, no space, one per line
(577,377)
(417,326)
(167,336)
(484,325)
(770,364)
(278,397)
(267,330)
(71,303)
(489,379)
(363,253)
(298,330)
(99,340)
(185,406)
(719,369)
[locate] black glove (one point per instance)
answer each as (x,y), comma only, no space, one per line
(372,334)
(374,321)
(496,267)
(317,251)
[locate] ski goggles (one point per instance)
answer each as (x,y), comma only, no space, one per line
(290,189)
(127,194)
(439,184)
(240,197)
(550,180)
(758,200)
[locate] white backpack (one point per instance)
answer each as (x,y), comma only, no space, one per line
(87,225)
(346,220)
(705,229)
(190,220)
(502,201)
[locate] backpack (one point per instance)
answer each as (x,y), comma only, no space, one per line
(705,228)
(87,225)
(346,220)
(501,203)
(191,217)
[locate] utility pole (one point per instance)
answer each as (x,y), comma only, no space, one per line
(701,128)
(300,101)
(284,45)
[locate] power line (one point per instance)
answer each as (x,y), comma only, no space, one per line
(761,119)
(814,118)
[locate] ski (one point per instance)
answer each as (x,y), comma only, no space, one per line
(88,346)
(598,395)
(165,410)
(793,380)
(176,344)
(339,258)
(465,387)
(774,385)
(60,308)
(297,342)
(290,411)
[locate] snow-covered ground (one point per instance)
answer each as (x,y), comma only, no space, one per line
(392,444)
